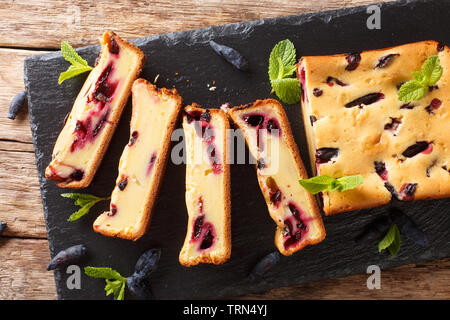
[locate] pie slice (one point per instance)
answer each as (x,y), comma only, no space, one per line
(356,124)
(90,125)
(279,168)
(208,237)
(143,161)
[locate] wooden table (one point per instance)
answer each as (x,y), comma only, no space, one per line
(37,26)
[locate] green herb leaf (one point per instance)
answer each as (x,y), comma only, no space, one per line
(391,241)
(115,283)
(321,183)
(349,182)
(429,75)
(432,70)
(78,64)
(83,200)
(281,69)
(287,89)
(411,91)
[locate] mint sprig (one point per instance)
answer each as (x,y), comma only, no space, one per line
(115,282)
(321,183)
(391,241)
(78,64)
(281,70)
(83,200)
(428,76)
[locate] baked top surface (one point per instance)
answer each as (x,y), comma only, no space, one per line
(379,132)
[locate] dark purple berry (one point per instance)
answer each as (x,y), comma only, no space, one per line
(330,81)
(264,265)
(440,47)
(317,92)
(393,125)
(198,225)
(77,175)
(103,89)
(408,228)
(408,106)
(230,55)
(206,116)
(17,103)
(415,149)
(380,168)
(323,155)
(147,263)
(375,230)
(133,138)
(123,183)
(113,46)
(100,124)
(390,188)
(353,60)
(276,197)
(207,240)
(254,120)
(272,125)
(260,164)
(3,226)
(67,256)
(139,288)
(365,100)
(313,119)
(113,211)
(386,60)
(434,105)
(407,191)
(431,88)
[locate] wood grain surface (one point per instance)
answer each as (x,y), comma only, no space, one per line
(24,248)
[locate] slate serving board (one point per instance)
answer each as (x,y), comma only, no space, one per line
(182,56)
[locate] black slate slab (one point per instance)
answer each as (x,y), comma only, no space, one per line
(179,57)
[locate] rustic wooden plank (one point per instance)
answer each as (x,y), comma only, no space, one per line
(11,83)
(20,198)
(81,22)
(23,276)
(22,270)
(427,280)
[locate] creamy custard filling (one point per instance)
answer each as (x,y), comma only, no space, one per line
(99,100)
(206,193)
(141,161)
(278,174)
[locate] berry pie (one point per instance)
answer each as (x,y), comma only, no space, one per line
(208,237)
(356,124)
(141,167)
(90,125)
(279,168)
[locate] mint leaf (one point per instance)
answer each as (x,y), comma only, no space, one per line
(432,70)
(287,89)
(83,200)
(115,283)
(321,183)
(281,69)
(391,241)
(428,76)
(282,55)
(349,182)
(78,64)
(316,184)
(411,91)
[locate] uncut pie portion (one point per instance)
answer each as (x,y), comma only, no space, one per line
(96,111)
(356,124)
(208,236)
(279,168)
(142,164)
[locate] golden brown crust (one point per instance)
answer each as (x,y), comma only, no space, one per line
(208,257)
(286,128)
(160,164)
(115,116)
